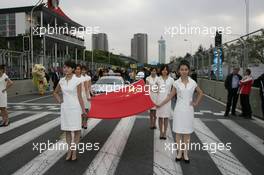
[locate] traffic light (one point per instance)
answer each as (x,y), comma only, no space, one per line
(218,39)
(26,43)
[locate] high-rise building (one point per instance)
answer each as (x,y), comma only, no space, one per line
(100,41)
(162,50)
(139,47)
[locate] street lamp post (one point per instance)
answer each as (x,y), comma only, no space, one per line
(31,33)
(192,60)
(109,56)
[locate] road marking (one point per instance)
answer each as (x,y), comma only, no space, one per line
(164,160)
(22,122)
(206,111)
(35,99)
(244,134)
(198,113)
(108,157)
(40,164)
(27,137)
(226,162)
(39,104)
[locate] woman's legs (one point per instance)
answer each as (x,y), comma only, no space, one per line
(68,141)
(186,141)
(152,118)
(166,121)
(76,142)
(178,143)
(163,125)
(4,114)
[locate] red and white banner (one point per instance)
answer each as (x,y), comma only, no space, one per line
(128,101)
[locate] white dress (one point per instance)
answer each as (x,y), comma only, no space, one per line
(153,94)
(183,114)
(165,87)
(86,102)
(3,96)
(70,108)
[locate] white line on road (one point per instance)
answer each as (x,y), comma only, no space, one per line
(109,155)
(244,134)
(39,104)
(34,99)
(164,160)
(27,137)
(23,121)
(226,162)
(40,164)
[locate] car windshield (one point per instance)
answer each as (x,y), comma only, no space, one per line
(109,81)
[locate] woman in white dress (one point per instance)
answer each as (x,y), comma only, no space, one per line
(86,94)
(183,115)
(72,107)
(151,81)
(165,83)
(80,72)
(5,83)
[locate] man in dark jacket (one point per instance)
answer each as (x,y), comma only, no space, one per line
(232,86)
(260,83)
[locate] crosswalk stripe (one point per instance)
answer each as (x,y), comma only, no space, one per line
(226,162)
(40,164)
(108,157)
(23,139)
(164,160)
(14,114)
(23,121)
(244,134)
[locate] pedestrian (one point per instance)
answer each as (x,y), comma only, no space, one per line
(72,107)
(86,94)
(183,114)
(151,81)
(55,78)
(244,91)
(260,84)
(232,86)
(5,83)
(165,83)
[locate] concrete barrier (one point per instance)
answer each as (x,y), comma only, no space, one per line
(217,90)
(22,87)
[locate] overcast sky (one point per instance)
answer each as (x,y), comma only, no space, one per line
(120,19)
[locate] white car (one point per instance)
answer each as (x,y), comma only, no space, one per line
(108,84)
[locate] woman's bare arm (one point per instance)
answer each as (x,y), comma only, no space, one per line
(169,97)
(79,93)
(199,96)
(56,94)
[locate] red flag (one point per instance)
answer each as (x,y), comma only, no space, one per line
(129,101)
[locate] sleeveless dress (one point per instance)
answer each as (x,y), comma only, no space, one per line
(164,90)
(153,95)
(3,96)
(183,114)
(70,108)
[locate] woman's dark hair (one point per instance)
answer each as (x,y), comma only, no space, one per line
(2,67)
(84,67)
(164,66)
(79,65)
(184,63)
(70,64)
(153,68)
(248,71)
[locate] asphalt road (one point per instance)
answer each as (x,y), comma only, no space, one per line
(127,146)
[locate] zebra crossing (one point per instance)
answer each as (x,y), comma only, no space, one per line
(128,146)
